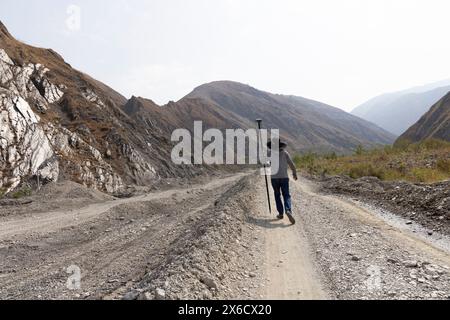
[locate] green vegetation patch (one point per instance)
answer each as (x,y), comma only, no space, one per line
(426,162)
(22,193)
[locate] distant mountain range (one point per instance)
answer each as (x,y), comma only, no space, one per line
(306,124)
(435,124)
(396,112)
(57,122)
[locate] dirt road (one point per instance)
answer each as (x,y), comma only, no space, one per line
(56,220)
(290,268)
(340,249)
(217,240)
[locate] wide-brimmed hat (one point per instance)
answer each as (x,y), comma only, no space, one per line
(281,144)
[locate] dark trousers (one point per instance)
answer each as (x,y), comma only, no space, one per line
(281,188)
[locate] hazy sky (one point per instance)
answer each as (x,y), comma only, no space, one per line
(339,52)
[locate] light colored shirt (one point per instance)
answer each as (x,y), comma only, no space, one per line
(285,161)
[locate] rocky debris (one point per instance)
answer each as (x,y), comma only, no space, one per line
(51,197)
(411,264)
(372,265)
(159,242)
(208,261)
(426,204)
(160,294)
(145,296)
(132,295)
(209,282)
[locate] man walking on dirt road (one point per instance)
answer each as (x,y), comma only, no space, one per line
(280,182)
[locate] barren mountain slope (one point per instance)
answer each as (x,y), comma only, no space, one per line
(434,124)
(396,112)
(306,124)
(183,114)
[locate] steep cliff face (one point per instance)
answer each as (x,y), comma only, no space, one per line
(32,146)
(57,122)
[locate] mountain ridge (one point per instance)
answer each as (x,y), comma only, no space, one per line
(435,124)
(397,111)
(305,123)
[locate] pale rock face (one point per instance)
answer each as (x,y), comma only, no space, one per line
(28,80)
(31,147)
(5,58)
(142,169)
(51,92)
(6,63)
(90,96)
(50,172)
(99,175)
(22,84)
(39,150)
(25,111)
(24,146)
(25,149)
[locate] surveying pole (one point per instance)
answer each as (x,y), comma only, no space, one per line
(259,121)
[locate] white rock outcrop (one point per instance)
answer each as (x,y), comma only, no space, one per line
(90,96)
(24,147)
(99,175)
(32,148)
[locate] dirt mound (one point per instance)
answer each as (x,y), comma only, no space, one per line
(71,190)
(203,258)
(51,197)
(428,204)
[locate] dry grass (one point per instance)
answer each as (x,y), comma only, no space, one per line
(425,162)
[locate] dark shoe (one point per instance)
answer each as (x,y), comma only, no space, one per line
(280,216)
(291,217)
